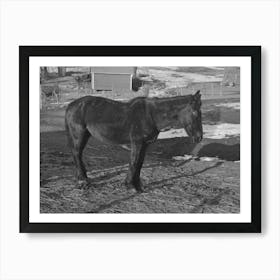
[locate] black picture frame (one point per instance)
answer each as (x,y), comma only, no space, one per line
(25,52)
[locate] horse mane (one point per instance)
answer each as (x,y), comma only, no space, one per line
(174,99)
(137,98)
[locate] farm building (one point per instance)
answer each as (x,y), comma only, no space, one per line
(112,78)
(231,76)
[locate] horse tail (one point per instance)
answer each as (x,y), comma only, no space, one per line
(67,130)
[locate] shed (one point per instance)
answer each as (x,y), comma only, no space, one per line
(231,76)
(112,78)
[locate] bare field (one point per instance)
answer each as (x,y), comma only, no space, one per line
(170,187)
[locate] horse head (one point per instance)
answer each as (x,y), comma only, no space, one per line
(190,118)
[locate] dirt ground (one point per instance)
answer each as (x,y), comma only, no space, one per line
(191,185)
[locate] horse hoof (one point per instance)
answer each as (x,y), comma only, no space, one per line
(138,187)
(140,190)
(83,184)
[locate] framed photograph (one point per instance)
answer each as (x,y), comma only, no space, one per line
(140,139)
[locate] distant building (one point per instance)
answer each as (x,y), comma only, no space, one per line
(112,78)
(231,76)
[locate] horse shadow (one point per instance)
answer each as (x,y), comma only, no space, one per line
(168,148)
(221,151)
(152,187)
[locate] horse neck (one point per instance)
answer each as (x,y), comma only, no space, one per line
(167,110)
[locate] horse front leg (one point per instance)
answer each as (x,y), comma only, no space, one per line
(137,156)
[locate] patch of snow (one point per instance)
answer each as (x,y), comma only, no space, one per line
(185,78)
(184,157)
(208,158)
(215,67)
(172,133)
(221,131)
(216,131)
(233,105)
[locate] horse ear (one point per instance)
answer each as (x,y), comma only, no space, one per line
(197,95)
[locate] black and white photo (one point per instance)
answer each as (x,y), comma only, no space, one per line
(181,123)
(141,139)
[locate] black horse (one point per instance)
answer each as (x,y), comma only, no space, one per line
(137,122)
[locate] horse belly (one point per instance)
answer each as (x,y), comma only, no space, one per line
(109,134)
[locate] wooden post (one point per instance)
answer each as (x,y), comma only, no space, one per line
(61,71)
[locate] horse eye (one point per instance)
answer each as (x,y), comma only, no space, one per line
(195,114)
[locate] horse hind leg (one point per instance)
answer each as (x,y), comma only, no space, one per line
(77,138)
